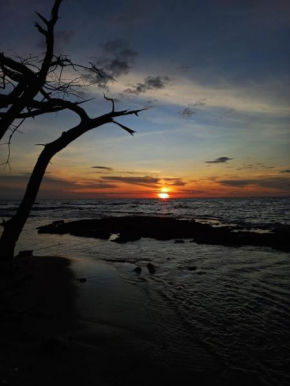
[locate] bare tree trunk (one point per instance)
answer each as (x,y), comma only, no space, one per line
(14,226)
(20,103)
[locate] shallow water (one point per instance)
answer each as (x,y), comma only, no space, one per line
(212,307)
(242,211)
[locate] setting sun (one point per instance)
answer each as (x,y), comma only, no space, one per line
(163,195)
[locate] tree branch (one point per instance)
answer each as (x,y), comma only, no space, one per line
(53,103)
(49,35)
(130,131)
(45,21)
(112,101)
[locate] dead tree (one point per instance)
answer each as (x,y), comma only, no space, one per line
(29,82)
(19,78)
(31,91)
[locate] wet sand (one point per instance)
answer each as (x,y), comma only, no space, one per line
(77,322)
(37,312)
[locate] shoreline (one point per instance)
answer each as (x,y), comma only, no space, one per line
(78,321)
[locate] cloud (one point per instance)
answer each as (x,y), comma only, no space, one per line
(285,171)
(187,113)
(156,83)
(174,181)
(269,182)
(117,67)
(150,83)
(147,181)
(219,160)
(142,181)
(13,186)
(198,103)
(255,166)
(103,168)
(116,60)
(96,185)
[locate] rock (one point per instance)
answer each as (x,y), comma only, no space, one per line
(119,240)
(192,268)
(132,228)
(137,270)
(58,222)
(25,253)
(179,242)
(151,268)
(128,235)
(82,279)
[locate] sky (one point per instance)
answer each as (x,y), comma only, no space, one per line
(212,75)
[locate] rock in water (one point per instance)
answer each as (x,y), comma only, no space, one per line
(25,253)
(151,268)
(137,270)
(82,279)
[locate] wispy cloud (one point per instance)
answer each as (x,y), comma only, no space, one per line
(103,168)
(219,160)
(149,83)
(198,103)
(116,60)
(147,181)
(174,181)
(255,166)
(187,112)
(143,181)
(269,182)
(285,171)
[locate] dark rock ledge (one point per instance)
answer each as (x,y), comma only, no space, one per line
(133,228)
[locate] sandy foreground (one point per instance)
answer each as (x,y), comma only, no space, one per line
(71,322)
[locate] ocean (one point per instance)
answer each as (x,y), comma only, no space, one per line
(209,305)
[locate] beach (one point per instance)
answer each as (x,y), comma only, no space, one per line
(63,328)
(37,306)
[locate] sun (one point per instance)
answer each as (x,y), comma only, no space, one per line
(163,195)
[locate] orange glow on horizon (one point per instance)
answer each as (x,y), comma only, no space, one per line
(73,184)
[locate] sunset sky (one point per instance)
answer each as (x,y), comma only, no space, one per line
(214,76)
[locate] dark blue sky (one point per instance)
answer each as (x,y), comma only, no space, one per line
(214,73)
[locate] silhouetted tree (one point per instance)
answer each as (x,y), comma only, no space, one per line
(30,86)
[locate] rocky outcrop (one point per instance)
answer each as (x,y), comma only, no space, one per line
(160,228)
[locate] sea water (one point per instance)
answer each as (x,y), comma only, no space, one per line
(209,305)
